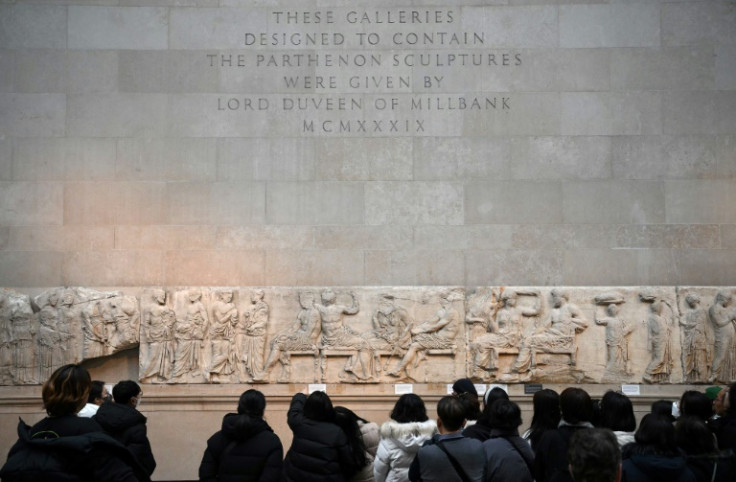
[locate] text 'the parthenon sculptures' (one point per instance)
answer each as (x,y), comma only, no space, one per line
(377,334)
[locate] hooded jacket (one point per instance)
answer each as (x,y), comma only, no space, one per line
(399,444)
(655,468)
(128,426)
(369,434)
(245,449)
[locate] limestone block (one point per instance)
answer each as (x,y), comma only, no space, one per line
(461,159)
(337,267)
(498,266)
(189,203)
(315,203)
(112,268)
(559,70)
(91,71)
(213,267)
(171,3)
(363,237)
(31,203)
(665,236)
(725,67)
(136,115)
(215,203)
(161,237)
(166,71)
(694,23)
(624,202)
(166,159)
(700,264)
(637,113)
(695,201)
(136,203)
(532,26)
(595,26)
(7,71)
(4,237)
(377,268)
(61,238)
(688,113)
(99,28)
(40,71)
(557,236)
(463,237)
(530,114)
(213,28)
(64,159)
(29,268)
(571,157)
(728,236)
(33,26)
(676,68)
(265,159)
(621,266)
(441,266)
(29,115)
(663,157)
(6,159)
(413,203)
(265,237)
(726,155)
(206,115)
(726,102)
(513,202)
(362,159)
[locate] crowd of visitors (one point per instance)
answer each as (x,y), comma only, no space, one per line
(571,438)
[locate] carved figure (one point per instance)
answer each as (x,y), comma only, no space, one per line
(303,335)
(336,335)
(617,343)
(224,319)
(504,330)
(695,347)
(722,318)
(94,330)
(255,321)
(658,327)
(556,334)
(158,324)
(438,333)
(388,323)
(49,339)
(21,335)
(6,356)
(123,322)
(189,334)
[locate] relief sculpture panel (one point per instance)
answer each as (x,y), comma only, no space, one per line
(654,335)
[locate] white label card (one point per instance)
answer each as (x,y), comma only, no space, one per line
(402,388)
(317,387)
(631,390)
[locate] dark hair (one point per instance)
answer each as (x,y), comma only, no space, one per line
(319,407)
(546,416)
(347,420)
(594,455)
(252,403)
(95,391)
(617,412)
(664,408)
(66,390)
(409,408)
(489,398)
(464,385)
(657,434)
(696,404)
(451,412)
(125,390)
(471,404)
(693,436)
(505,415)
(731,398)
(576,405)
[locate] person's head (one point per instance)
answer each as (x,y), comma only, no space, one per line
(693,436)
(328,297)
(617,412)
(53,298)
(98,393)
(66,391)
(696,404)
(252,403)
(509,298)
(194,295)
(612,309)
(472,405)
(306,299)
(729,400)
(409,408)
(505,415)
(319,407)
(159,296)
(127,392)
(450,414)
(692,300)
(594,456)
(257,296)
(464,385)
(719,402)
(493,394)
(559,298)
(664,408)
(723,298)
(657,432)
(576,405)
(226,296)
(347,420)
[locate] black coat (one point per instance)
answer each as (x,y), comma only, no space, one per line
(319,450)
(550,455)
(245,450)
(69,449)
(128,426)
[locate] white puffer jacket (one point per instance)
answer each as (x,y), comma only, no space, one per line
(399,444)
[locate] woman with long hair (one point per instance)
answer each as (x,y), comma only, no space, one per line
(363,439)
(481,430)
(546,404)
(65,447)
(245,448)
(617,414)
(320,450)
(401,439)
